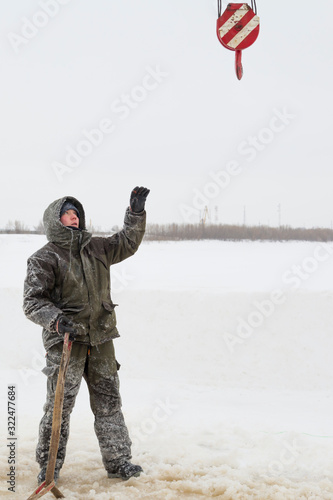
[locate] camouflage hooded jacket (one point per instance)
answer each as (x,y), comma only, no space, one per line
(70,275)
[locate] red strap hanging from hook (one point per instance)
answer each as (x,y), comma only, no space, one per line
(237,29)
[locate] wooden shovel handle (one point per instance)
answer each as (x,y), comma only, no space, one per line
(57,410)
(43,489)
(48,484)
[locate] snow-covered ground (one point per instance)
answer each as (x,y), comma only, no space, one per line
(226,352)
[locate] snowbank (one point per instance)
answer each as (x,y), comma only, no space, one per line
(226,373)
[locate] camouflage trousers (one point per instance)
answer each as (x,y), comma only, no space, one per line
(98,366)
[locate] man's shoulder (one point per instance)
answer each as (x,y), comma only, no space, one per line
(97,244)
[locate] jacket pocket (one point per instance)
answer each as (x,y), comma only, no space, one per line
(72,309)
(107,317)
(109,306)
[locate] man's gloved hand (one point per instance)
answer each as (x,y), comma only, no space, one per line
(138,199)
(65,325)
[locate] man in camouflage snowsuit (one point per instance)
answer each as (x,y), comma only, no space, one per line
(67,289)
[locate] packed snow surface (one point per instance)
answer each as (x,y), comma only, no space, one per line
(226,378)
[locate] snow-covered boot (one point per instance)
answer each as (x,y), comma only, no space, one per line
(125,470)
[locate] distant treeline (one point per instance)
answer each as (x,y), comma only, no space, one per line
(235,232)
(178,232)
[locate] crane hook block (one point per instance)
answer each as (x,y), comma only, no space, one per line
(237,29)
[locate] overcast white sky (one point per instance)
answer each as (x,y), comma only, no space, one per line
(154,76)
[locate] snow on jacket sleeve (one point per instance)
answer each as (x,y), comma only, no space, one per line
(38,285)
(125,243)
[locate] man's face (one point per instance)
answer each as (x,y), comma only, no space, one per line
(69,218)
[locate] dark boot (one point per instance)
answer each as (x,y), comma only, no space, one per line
(125,471)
